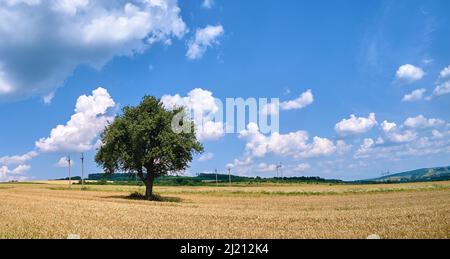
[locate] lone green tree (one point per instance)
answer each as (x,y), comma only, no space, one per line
(142,141)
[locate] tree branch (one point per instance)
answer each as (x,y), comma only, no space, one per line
(141,176)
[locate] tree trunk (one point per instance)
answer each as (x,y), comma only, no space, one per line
(149,186)
(148,191)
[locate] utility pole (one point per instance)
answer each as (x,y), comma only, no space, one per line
(70,179)
(217,179)
(229,174)
(82,170)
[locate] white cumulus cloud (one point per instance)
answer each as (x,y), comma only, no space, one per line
(64,163)
(204,39)
(388,126)
(304,100)
(42,42)
(422,122)
(208,4)
(270,108)
(301,102)
(394,134)
(367,144)
(412,138)
(265,168)
(79,134)
(203,108)
(442,89)
(16,174)
(355,125)
(445,72)
(21,169)
(415,95)
(16,160)
(293,144)
(423,146)
(440,134)
(409,73)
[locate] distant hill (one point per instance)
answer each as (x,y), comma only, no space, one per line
(419,175)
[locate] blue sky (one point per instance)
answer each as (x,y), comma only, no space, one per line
(385,58)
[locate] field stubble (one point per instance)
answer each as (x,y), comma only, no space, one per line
(51,210)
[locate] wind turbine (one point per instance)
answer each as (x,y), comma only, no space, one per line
(279,171)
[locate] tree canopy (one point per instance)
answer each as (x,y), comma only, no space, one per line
(141,140)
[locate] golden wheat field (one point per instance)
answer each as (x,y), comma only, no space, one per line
(51,210)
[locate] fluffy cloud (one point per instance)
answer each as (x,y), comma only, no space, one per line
(445,72)
(13,175)
(21,169)
(260,145)
(388,126)
(63,163)
(246,161)
(270,108)
(203,108)
(206,157)
(440,134)
(44,41)
(321,147)
(294,144)
(398,134)
(243,166)
(415,95)
(204,38)
(301,102)
(365,147)
(16,160)
(210,130)
(3,173)
(16,174)
(422,122)
(208,4)
(420,147)
(416,136)
(403,142)
(304,100)
(442,89)
(247,167)
(367,143)
(394,134)
(265,168)
(79,134)
(409,73)
(355,125)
